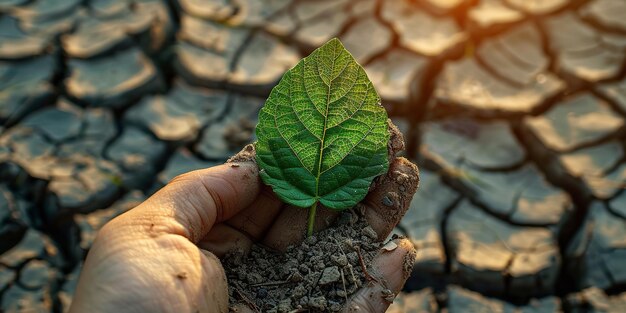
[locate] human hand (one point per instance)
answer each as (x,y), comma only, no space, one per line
(161,255)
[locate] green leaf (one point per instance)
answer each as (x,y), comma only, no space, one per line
(322,134)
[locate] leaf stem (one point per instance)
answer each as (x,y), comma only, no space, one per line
(312,210)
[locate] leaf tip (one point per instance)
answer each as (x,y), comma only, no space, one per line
(335,43)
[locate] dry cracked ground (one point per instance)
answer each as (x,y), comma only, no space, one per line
(514,110)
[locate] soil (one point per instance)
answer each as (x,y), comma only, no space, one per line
(319,275)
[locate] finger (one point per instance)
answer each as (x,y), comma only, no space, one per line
(255,220)
(277,225)
(395,145)
(223,238)
(193,202)
(391,269)
(250,224)
(291,225)
(387,203)
(396,140)
(246,227)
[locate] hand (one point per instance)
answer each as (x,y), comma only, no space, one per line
(162,255)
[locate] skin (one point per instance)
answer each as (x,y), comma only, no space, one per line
(162,256)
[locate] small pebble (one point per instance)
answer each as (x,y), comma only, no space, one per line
(401,178)
(347,243)
(330,275)
(329,247)
(354,218)
(334,307)
(369,232)
(299,292)
(388,295)
(354,308)
(341,293)
(318,303)
(341,260)
(353,257)
(304,301)
(241,275)
(284,306)
(311,240)
(387,201)
(254,278)
(390,246)
(261,293)
(296,277)
(319,266)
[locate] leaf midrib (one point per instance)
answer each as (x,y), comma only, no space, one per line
(321,150)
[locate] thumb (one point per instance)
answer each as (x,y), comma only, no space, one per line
(193,202)
(391,269)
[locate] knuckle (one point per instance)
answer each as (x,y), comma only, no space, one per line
(184,177)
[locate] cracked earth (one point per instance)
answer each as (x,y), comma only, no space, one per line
(515,111)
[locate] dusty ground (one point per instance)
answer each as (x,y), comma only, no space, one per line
(514,110)
(318,275)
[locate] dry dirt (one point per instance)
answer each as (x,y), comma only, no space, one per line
(318,275)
